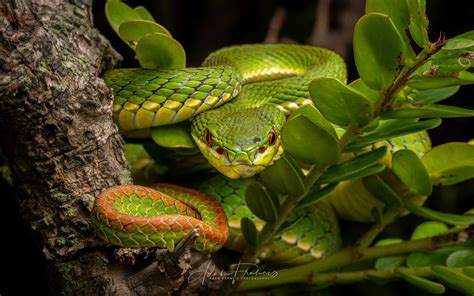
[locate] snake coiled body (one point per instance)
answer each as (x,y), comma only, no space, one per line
(237,103)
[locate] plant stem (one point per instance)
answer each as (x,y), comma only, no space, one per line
(352,255)
(406,72)
(322,280)
(388,218)
(269,229)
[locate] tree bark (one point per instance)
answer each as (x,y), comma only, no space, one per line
(62,145)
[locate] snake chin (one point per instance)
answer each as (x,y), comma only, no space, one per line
(240,171)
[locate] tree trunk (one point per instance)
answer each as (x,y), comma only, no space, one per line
(62,145)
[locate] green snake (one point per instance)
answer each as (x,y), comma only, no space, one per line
(237,103)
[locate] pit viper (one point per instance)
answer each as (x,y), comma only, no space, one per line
(237,103)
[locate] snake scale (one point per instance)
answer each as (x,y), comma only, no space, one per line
(237,103)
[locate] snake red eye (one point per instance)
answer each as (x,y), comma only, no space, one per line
(220,150)
(207,138)
(272,137)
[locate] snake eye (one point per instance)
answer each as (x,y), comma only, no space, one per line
(207,138)
(220,150)
(272,137)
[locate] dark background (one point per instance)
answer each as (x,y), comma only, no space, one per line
(203,26)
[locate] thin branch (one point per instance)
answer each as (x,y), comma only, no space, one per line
(352,255)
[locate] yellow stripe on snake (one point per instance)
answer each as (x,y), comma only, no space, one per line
(237,103)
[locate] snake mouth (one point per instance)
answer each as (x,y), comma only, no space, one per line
(236,171)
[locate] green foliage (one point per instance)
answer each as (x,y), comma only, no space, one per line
(380,190)
(153,44)
(132,31)
(391,128)
(173,136)
(263,204)
(284,177)
(339,103)
(316,195)
(389,262)
(360,166)
(418,22)
(158,50)
(427,285)
(455,279)
(377,56)
(309,141)
(450,163)
(249,231)
(429,229)
(410,171)
(461,258)
(440,216)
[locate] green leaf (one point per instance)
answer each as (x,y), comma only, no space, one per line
(144,13)
(389,262)
(458,43)
(313,114)
(284,177)
(418,22)
(339,103)
(461,258)
(309,143)
(429,229)
(436,257)
(390,129)
(450,163)
(398,13)
(132,31)
(454,279)
(354,168)
(371,94)
(260,203)
(429,111)
(155,51)
(431,96)
(173,136)
(467,35)
(469,271)
(249,231)
(427,285)
(317,195)
(429,82)
(409,169)
(377,56)
(118,13)
(380,190)
(439,216)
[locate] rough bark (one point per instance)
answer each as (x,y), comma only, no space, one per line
(62,145)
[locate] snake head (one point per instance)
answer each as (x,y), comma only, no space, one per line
(239,142)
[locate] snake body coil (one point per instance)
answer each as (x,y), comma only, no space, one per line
(254,88)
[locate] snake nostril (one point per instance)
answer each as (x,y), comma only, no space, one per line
(220,150)
(262,149)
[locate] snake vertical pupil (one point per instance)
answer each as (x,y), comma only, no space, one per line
(272,137)
(208,138)
(220,150)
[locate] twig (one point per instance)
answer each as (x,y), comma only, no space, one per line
(352,255)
